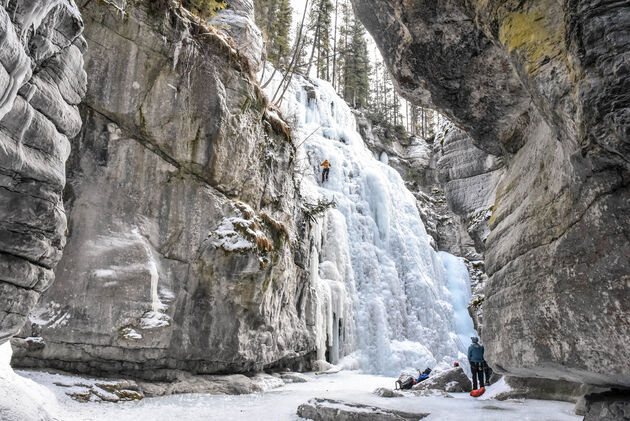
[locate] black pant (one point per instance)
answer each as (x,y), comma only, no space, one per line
(325,174)
(477,374)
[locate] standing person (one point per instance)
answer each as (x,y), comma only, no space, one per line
(326,166)
(475,357)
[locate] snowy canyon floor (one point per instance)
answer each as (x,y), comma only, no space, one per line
(281,403)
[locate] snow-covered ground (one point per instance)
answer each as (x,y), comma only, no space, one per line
(40,396)
(281,403)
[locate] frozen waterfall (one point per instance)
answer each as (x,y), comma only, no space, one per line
(387,300)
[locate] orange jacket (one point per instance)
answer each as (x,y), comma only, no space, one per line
(325,164)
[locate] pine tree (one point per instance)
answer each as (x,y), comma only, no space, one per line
(414,119)
(378,99)
(334,56)
(274,18)
(320,27)
(283,25)
(356,67)
(342,44)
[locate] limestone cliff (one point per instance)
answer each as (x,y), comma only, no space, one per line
(186,247)
(542,84)
(41,82)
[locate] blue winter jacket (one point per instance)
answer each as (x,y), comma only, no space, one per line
(475,353)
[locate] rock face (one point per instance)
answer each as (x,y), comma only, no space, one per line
(534,388)
(543,85)
(183,247)
(453,380)
(328,409)
(41,82)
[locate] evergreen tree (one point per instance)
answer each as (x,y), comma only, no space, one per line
(356,69)
(320,27)
(334,56)
(377,108)
(342,43)
(274,19)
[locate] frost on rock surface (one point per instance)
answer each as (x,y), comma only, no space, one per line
(375,261)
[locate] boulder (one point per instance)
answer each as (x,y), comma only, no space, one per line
(432,393)
(452,380)
(234,384)
(334,410)
(533,388)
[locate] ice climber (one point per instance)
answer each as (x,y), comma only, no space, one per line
(326,166)
(475,357)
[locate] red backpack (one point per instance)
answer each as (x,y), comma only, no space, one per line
(477,392)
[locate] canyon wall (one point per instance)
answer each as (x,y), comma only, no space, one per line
(187,249)
(41,83)
(542,85)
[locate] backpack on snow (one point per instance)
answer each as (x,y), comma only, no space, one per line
(477,392)
(422,377)
(405,381)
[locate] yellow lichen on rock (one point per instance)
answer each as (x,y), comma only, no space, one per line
(534,34)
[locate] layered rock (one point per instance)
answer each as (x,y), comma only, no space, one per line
(41,82)
(535,388)
(183,249)
(543,85)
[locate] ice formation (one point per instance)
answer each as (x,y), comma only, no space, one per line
(385,295)
(459,288)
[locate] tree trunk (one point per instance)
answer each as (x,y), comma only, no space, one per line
(294,59)
(334,68)
(315,40)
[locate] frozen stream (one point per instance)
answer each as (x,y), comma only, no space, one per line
(281,403)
